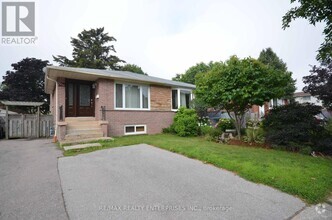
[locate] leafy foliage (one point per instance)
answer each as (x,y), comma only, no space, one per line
(236,85)
(133,68)
(185,123)
(26,83)
(190,74)
(254,132)
(320,84)
(293,126)
(315,11)
(328,126)
(225,123)
(270,58)
(91,49)
(201,109)
(205,130)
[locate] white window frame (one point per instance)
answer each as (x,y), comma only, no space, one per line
(135,132)
(124,96)
(179,97)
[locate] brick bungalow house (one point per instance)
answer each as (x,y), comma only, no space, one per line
(89,103)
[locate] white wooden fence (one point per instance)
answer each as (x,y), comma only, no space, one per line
(28,126)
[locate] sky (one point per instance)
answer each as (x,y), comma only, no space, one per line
(166,37)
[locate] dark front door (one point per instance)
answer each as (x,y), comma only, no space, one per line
(79,98)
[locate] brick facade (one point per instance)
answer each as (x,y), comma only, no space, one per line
(62,95)
(160,116)
(161,98)
(155,121)
(105,91)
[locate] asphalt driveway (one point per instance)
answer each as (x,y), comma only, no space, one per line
(144,182)
(29,182)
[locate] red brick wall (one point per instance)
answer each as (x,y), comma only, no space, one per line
(160,116)
(62,95)
(160,98)
(105,90)
(155,121)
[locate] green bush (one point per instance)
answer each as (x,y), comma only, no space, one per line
(255,135)
(205,130)
(295,127)
(328,126)
(225,123)
(185,123)
(168,130)
(254,132)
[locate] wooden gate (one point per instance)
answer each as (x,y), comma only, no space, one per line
(29,126)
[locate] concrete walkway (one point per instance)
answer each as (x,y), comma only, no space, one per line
(144,182)
(29,182)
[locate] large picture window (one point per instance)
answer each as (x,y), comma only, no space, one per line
(130,96)
(181,98)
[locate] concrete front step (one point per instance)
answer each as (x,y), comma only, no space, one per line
(74,119)
(84,140)
(81,146)
(78,124)
(83,130)
(77,136)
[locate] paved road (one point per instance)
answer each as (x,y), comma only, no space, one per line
(144,182)
(29,181)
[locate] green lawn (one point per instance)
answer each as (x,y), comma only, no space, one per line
(304,176)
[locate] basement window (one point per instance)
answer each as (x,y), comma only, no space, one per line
(134,129)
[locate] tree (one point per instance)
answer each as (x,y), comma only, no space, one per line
(320,84)
(91,50)
(26,83)
(236,85)
(133,68)
(190,74)
(270,58)
(295,127)
(315,11)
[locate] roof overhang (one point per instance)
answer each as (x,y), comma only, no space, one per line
(52,73)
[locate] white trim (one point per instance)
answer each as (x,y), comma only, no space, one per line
(135,132)
(124,99)
(179,97)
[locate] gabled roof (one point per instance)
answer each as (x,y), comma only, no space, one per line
(53,72)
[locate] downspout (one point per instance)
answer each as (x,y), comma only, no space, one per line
(56,104)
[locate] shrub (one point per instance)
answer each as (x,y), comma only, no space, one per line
(328,126)
(254,132)
(203,121)
(185,123)
(168,130)
(225,123)
(293,126)
(254,135)
(205,130)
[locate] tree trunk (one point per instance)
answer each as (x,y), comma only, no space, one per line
(238,123)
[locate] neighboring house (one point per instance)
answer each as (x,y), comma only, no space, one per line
(259,111)
(132,103)
(302,97)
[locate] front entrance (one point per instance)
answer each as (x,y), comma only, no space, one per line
(79,98)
